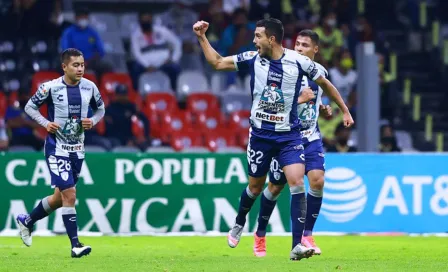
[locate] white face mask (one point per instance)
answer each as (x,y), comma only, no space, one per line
(83,23)
(331,22)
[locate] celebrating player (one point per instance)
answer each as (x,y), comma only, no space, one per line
(307,44)
(68,99)
(275,127)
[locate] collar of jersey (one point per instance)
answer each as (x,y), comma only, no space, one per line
(63,82)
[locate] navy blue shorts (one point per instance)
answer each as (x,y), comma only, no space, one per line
(314,160)
(64,171)
(264,145)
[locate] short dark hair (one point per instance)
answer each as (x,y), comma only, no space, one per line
(82,11)
(273,27)
(68,53)
(310,33)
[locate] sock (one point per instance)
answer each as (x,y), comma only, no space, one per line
(298,213)
(267,205)
(69,218)
(313,204)
(246,202)
(42,210)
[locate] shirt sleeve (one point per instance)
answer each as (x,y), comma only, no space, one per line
(97,105)
(309,67)
(243,61)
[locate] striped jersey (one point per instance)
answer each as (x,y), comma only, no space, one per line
(67,106)
(309,112)
(275,87)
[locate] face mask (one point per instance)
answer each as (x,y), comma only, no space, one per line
(83,23)
(146,26)
(347,63)
(331,22)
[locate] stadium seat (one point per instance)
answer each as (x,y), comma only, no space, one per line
(211,120)
(138,129)
(239,120)
(91,77)
(151,82)
(41,77)
(3,104)
(128,24)
(242,137)
(220,138)
(173,123)
(183,139)
(191,82)
(110,80)
(104,22)
(232,102)
(218,83)
(113,44)
(202,102)
(161,102)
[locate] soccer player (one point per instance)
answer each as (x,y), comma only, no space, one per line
(68,99)
(307,44)
(275,127)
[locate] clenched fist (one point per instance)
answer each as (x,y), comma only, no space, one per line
(200,27)
(306,96)
(52,127)
(87,123)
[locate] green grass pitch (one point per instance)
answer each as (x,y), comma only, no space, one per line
(143,253)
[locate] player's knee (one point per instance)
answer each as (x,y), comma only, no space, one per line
(275,190)
(317,183)
(255,189)
(296,181)
(69,196)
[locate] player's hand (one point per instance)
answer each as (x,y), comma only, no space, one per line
(52,127)
(200,27)
(348,119)
(306,96)
(326,111)
(87,123)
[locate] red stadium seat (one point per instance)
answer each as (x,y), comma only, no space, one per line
(173,123)
(101,127)
(91,77)
(239,120)
(110,80)
(138,129)
(186,138)
(219,138)
(41,77)
(201,102)
(3,104)
(156,106)
(211,120)
(242,137)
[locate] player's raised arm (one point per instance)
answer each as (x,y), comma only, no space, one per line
(335,96)
(33,105)
(313,72)
(217,61)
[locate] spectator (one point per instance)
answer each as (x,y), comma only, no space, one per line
(343,76)
(388,141)
(342,135)
(83,37)
(118,120)
(237,38)
(23,129)
(327,125)
(155,47)
(218,21)
(3,136)
(330,38)
(179,20)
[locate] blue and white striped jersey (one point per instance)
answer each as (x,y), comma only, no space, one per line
(275,87)
(309,112)
(67,106)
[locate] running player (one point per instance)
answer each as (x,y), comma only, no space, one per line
(68,99)
(275,127)
(307,44)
